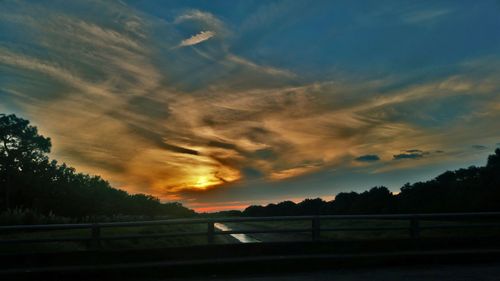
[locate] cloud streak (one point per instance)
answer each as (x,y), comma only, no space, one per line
(193,124)
(197,39)
(368,158)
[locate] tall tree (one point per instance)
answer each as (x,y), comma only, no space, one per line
(21,146)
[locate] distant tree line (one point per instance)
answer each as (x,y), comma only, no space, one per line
(29,179)
(473,189)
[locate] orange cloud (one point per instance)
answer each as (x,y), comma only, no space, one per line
(158,119)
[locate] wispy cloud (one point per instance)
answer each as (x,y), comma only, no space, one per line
(426,16)
(414,155)
(266,69)
(294,172)
(368,158)
(195,122)
(201,16)
(198,38)
(479,147)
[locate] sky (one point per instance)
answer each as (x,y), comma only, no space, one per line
(224,104)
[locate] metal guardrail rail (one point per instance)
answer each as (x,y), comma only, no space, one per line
(95,238)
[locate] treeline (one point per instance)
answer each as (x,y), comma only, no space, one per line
(30,180)
(473,189)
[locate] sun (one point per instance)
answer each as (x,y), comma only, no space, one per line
(202,182)
(203,178)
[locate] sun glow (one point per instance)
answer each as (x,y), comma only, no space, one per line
(203,182)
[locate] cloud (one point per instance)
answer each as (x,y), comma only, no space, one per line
(479,147)
(265,69)
(368,158)
(413,154)
(198,38)
(294,172)
(426,16)
(189,124)
(408,156)
(250,173)
(202,20)
(205,18)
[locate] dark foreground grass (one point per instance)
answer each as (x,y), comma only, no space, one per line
(337,232)
(112,244)
(338,229)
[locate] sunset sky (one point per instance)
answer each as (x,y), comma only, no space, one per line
(223,104)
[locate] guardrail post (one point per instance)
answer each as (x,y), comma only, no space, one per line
(95,242)
(315,228)
(414,228)
(210,232)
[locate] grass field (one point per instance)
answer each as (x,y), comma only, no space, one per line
(338,232)
(133,243)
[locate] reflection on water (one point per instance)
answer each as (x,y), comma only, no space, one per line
(243,238)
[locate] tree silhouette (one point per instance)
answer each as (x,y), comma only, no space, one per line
(472,189)
(29,179)
(21,147)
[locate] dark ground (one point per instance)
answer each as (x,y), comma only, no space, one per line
(406,259)
(462,272)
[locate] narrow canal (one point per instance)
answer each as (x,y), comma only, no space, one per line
(243,238)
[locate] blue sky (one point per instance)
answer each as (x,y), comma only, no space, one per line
(222,104)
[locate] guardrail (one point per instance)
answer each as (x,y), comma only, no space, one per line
(95,238)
